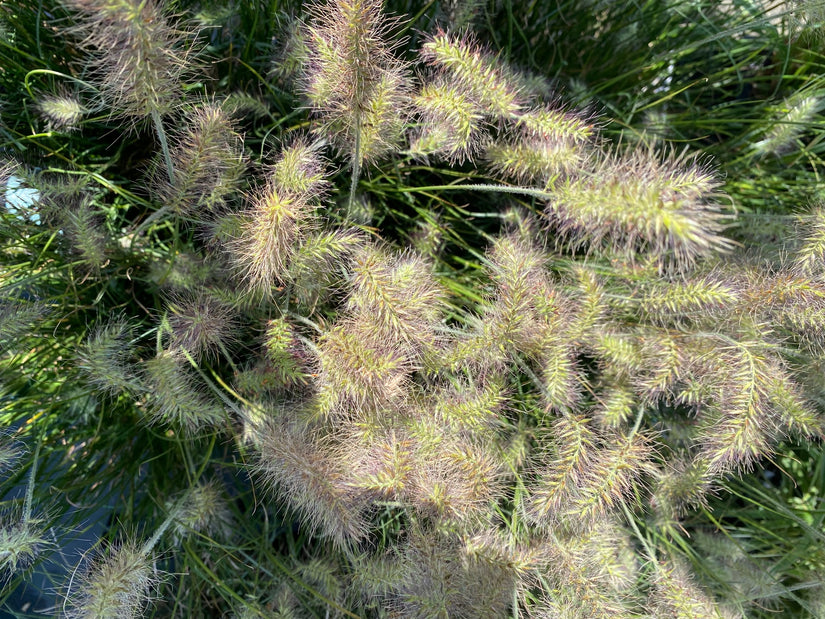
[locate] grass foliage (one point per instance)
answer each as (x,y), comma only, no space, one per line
(412,309)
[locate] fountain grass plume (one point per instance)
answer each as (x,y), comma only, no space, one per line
(279,218)
(201,324)
(355,85)
(207,156)
(175,398)
(308,476)
(137,57)
(105,358)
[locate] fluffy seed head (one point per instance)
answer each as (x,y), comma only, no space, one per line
(790,119)
(358,372)
(456,478)
(466,64)
(306,474)
(322,263)
(21,541)
(284,353)
(397,295)
(546,145)
(562,378)
(354,83)
(280,216)
(202,511)
(10,452)
(524,305)
(116,586)
(207,155)
(683,486)
(641,202)
(300,170)
(676,595)
(384,464)
(200,324)
(271,229)
(104,358)
(810,257)
(61,111)
(573,449)
(173,397)
(138,58)
(534,161)
(16,319)
(451,122)
(86,234)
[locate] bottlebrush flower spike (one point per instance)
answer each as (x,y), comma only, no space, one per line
(614,472)
(487,80)
(300,170)
(687,299)
(138,58)
(546,145)
(398,296)
(62,111)
(556,123)
(10,452)
(307,475)
(583,583)
(471,409)
(173,398)
(16,318)
(663,207)
(456,479)
(439,580)
(355,85)
(279,218)
(562,378)
(359,373)
(743,425)
(534,161)
(810,257)
(675,595)
(574,447)
(207,154)
(616,406)
(322,263)
(201,510)
(200,324)
(21,541)
(513,318)
(789,120)
(451,122)
(285,354)
(383,463)
(84,230)
(115,587)
(681,486)
(104,359)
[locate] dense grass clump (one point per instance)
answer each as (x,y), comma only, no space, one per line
(411,309)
